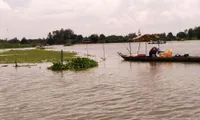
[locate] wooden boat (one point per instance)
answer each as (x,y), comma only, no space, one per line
(165,57)
(160,59)
(157,42)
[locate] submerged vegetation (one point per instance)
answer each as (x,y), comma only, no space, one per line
(68,44)
(75,64)
(33,56)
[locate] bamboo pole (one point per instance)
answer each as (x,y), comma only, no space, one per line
(146,48)
(16,64)
(104,53)
(138,48)
(61,56)
(87,50)
(130,49)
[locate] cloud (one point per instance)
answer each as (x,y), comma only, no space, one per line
(3,5)
(35,18)
(17,3)
(69,9)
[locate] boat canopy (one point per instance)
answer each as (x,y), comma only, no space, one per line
(144,38)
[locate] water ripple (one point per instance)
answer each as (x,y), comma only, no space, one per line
(115,90)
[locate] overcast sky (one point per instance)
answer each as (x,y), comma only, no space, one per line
(35,18)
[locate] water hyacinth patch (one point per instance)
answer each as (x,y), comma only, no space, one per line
(75,64)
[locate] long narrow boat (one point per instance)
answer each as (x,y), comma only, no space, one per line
(157,42)
(160,59)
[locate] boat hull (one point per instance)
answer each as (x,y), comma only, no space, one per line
(160,59)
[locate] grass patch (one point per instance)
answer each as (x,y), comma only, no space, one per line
(7,45)
(33,56)
(75,64)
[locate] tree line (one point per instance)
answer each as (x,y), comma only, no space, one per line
(67,36)
(190,34)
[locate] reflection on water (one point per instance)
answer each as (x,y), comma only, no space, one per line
(115,90)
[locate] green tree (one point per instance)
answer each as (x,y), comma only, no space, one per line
(102,38)
(94,38)
(181,35)
(14,41)
(24,41)
(69,35)
(57,37)
(197,32)
(78,39)
(63,36)
(132,35)
(170,36)
(50,39)
(190,33)
(115,39)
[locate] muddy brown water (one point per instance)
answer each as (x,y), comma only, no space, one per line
(116,90)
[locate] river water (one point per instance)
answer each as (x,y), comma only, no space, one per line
(116,90)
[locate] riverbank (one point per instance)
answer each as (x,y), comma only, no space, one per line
(33,56)
(7,45)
